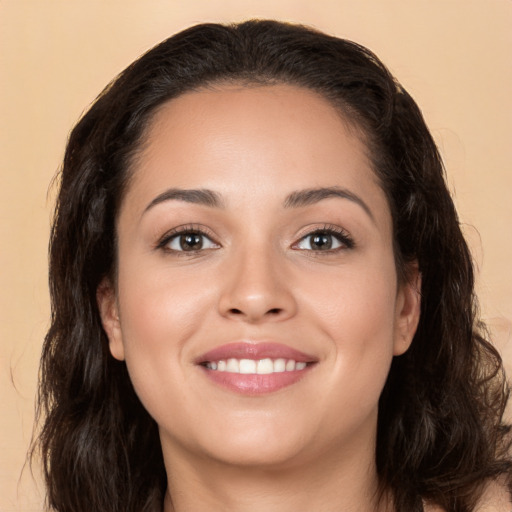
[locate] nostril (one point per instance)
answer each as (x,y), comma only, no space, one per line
(273,311)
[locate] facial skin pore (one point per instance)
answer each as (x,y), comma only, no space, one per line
(286,238)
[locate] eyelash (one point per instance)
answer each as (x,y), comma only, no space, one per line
(336,232)
(192,229)
(346,241)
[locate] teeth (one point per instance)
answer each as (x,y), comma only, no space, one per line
(247,366)
(250,366)
(280,365)
(265,366)
(233,366)
(290,365)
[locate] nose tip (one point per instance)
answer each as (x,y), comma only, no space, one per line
(256,291)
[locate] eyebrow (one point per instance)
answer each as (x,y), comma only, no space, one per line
(314,195)
(196,196)
(297,199)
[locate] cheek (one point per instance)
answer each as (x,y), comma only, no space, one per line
(159,308)
(158,315)
(356,312)
(355,303)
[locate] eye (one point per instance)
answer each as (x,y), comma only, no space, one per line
(188,241)
(324,240)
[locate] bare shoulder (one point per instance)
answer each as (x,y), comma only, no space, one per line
(495,498)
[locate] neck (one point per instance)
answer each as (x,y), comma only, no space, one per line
(332,484)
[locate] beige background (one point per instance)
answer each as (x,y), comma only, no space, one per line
(454,56)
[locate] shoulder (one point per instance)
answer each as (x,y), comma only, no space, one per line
(495,498)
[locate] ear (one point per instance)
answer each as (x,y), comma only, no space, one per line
(408,306)
(109,313)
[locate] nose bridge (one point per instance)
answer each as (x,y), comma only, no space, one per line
(254,287)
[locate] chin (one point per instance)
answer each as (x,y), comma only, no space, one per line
(262,456)
(255,443)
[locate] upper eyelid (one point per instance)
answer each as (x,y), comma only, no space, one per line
(328,228)
(185,228)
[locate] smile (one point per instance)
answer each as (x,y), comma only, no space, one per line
(257,367)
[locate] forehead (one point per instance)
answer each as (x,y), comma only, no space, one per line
(249,108)
(264,140)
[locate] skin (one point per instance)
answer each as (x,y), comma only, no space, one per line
(308,446)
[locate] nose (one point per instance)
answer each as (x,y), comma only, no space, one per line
(256,289)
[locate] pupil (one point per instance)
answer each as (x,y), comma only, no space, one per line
(322,241)
(191,242)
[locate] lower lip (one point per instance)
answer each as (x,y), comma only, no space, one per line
(254,384)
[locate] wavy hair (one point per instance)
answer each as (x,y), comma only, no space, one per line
(440,424)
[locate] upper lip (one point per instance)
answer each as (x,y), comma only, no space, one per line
(251,350)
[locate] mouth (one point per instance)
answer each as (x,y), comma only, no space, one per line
(255,368)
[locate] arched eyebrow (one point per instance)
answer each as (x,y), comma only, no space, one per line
(297,199)
(201,196)
(310,196)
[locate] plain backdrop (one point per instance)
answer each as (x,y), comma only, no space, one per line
(454,57)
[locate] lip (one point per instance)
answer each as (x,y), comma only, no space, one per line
(247,350)
(255,384)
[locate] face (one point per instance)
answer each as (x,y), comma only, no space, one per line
(257,305)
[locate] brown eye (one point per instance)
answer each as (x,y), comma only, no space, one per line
(189,241)
(321,241)
(325,240)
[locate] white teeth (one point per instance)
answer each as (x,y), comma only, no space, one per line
(247,366)
(290,365)
(233,366)
(280,365)
(251,366)
(265,366)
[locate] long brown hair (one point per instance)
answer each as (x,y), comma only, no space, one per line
(440,429)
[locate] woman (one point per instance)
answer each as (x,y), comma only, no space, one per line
(262,299)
